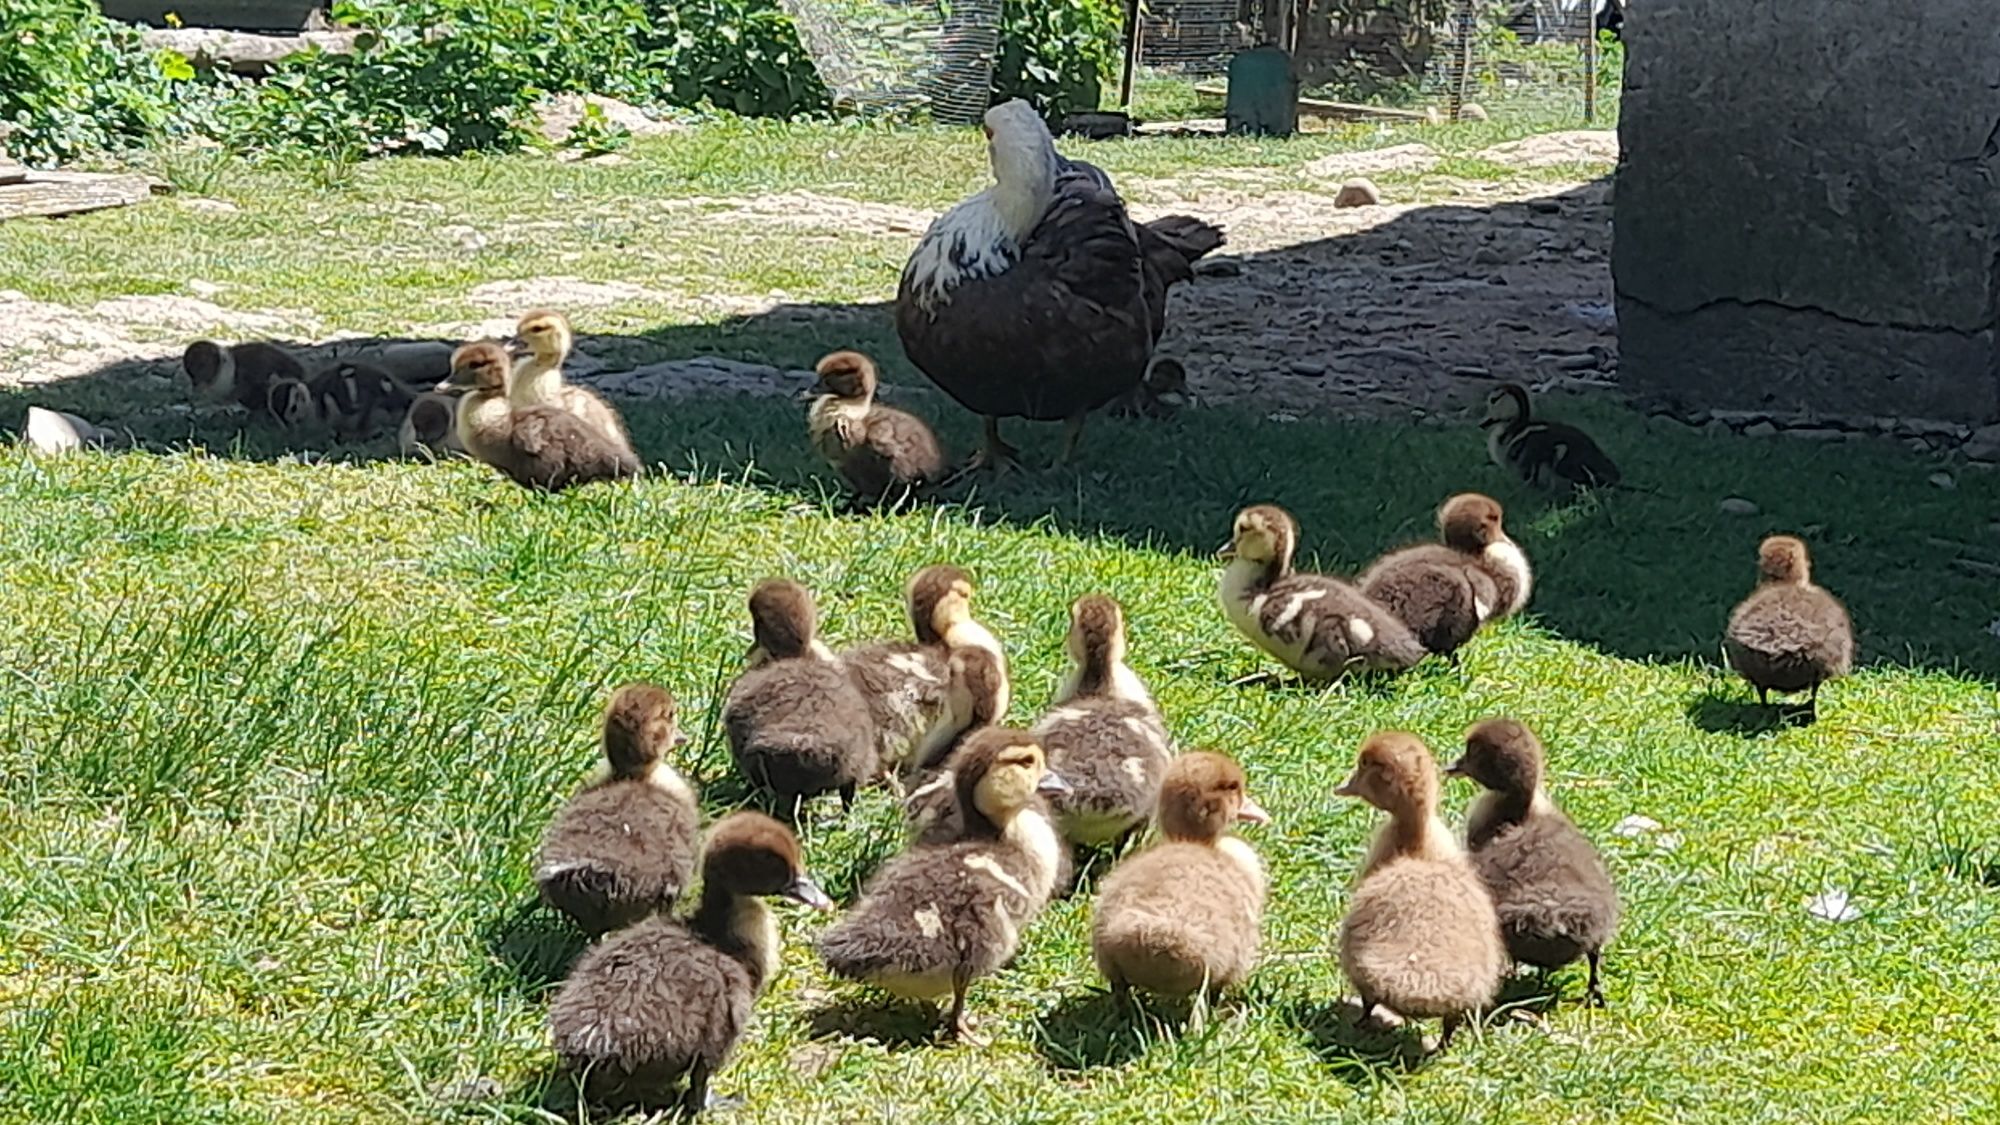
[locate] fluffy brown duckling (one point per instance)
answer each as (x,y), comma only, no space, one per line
(1789,635)
(797,724)
(977,697)
(1185,914)
(1103,735)
(939,916)
(536,446)
(905,682)
(1548,454)
(878,450)
(1421,937)
(541,344)
(624,847)
(1319,627)
(666,1001)
(1445,591)
(239,373)
(1549,885)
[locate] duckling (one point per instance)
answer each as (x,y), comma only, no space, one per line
(1445,591)
(542,342)
(797,724)
(535,446)
(1184,914)
(1789,635)
(430,426)
(665,1001)
(1317,626)
(291,403)
(57,431)
(1103,735)
(350,393)
(1549,885)
(976,697)
(905,682)
(240,373)
(878,450)
(624,847)
(1420,937)
(939,916)
(1549,454)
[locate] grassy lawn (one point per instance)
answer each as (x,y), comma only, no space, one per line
(281,737)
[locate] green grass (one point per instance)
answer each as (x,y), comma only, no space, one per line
(279,738)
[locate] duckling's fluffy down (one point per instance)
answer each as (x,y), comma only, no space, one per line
(642,1008)
(905,685)
(1790,638)
(1421,937)
(944,912)
(1113,753)
(800,727)
(618,852)
(1181,917)
(1435,592)
(1550,889)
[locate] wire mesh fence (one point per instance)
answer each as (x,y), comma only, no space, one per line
(903,56)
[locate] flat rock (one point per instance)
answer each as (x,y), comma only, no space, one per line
(703,375)
(1737,506)
(1358,192)
(1984,444)
(1577,146)
(1375,161)
(1759,429)
(559,116)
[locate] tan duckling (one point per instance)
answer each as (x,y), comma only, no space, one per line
(1548,454)
(535,446)
(905,681)
(430,426)
(1549,885)
(878,450)
(624,847)
(977,697)
(1319,627)
(666,1001)
(797,724)
(542,343)
(1184,914)
(239,373)
(1103,735)
(939,916)
(1445,591)
(1421,937)
(1789,635)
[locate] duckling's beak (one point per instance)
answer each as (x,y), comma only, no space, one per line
(681,738)
(805,892)
(1227,550)
(1348,788)
(812,392)
(1456,769)
(1053,785)
(1252,813)
(454,383)
(516,346)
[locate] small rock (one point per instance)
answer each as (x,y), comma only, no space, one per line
(1736,506)
(1306,368)
(466,237)
(1815,434)
(1759,429)
(1716,427)
(1832,906)
(1635,826)
(481,1089)
(1358,192)
(607,159)
(1490,256)
(1218,267)
(211,206)
(1545,206)
(1470,372)
(1473,111)
(1585,362)
(203,289)
(1281,416)
(1984,445)
(1944,481)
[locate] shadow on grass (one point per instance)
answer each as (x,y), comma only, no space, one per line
(532,948)
(1358,1055)
(1645,574)
(895,1024)
(1099,1030)
(1718,713)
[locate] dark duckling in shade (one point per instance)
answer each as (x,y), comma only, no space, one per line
(1421,937)
(1185,913)
(665,1002)
(878,450)
(624,847)
(797,723)
(1551,455)
(1320,627)
(1789,635)
(1549,885)
(939,916)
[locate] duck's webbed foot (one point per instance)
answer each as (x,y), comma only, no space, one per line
(996,454)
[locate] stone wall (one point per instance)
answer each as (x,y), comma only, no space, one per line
(1808,208)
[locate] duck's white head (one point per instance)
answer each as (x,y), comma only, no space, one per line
(982,236)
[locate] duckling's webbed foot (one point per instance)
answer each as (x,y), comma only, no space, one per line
(847,797)
(695,1098)
(957,1024)
(1594,993)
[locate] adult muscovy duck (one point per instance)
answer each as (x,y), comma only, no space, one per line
(1040,297)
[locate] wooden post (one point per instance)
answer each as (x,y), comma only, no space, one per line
(1590,69)
(1466,24)
(1133,31)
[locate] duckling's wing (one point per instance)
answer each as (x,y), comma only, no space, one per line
(1564,453)
(555,449)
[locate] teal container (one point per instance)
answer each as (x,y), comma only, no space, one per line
(1263,93)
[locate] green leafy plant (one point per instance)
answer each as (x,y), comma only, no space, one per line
(1057,54)
(73,82)
(738,55)
(595,134)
